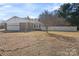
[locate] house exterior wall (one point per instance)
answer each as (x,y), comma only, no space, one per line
(13,24)
(20,24)
(24,27)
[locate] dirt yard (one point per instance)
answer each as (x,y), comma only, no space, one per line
(38,43)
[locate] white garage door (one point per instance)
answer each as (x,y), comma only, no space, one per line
(13,27)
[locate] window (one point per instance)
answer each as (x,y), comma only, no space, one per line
(33,25)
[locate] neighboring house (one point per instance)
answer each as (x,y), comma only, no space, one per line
(22,24)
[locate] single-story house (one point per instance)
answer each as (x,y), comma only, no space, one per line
(22,24)
(25,24)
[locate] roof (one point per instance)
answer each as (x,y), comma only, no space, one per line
(16,17)
(23,19)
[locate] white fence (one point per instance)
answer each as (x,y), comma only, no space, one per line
(61,28)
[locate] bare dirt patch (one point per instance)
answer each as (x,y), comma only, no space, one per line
(37,43)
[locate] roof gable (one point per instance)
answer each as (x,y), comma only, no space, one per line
(16,19)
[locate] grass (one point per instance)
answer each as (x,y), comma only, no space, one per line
(70,34)
(37,43)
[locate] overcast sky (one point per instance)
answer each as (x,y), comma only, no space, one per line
(25,9)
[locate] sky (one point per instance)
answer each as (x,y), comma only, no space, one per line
(8,10)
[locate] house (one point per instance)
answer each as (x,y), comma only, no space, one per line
(22,24)
(25,24)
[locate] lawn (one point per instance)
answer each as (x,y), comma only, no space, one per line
(69,34)
(37,43)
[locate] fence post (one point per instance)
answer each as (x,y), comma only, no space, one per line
(46,28)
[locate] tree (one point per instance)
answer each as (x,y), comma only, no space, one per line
(28,17)
(45,17)
(70,12)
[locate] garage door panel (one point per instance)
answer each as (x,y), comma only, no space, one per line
(13,28)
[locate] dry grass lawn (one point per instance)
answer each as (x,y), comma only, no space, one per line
(38,43)
(69,34)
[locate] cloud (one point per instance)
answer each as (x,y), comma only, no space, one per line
(54,8)
(2,3)
(33,17)
(25,9)
(3,14)
(7,6)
